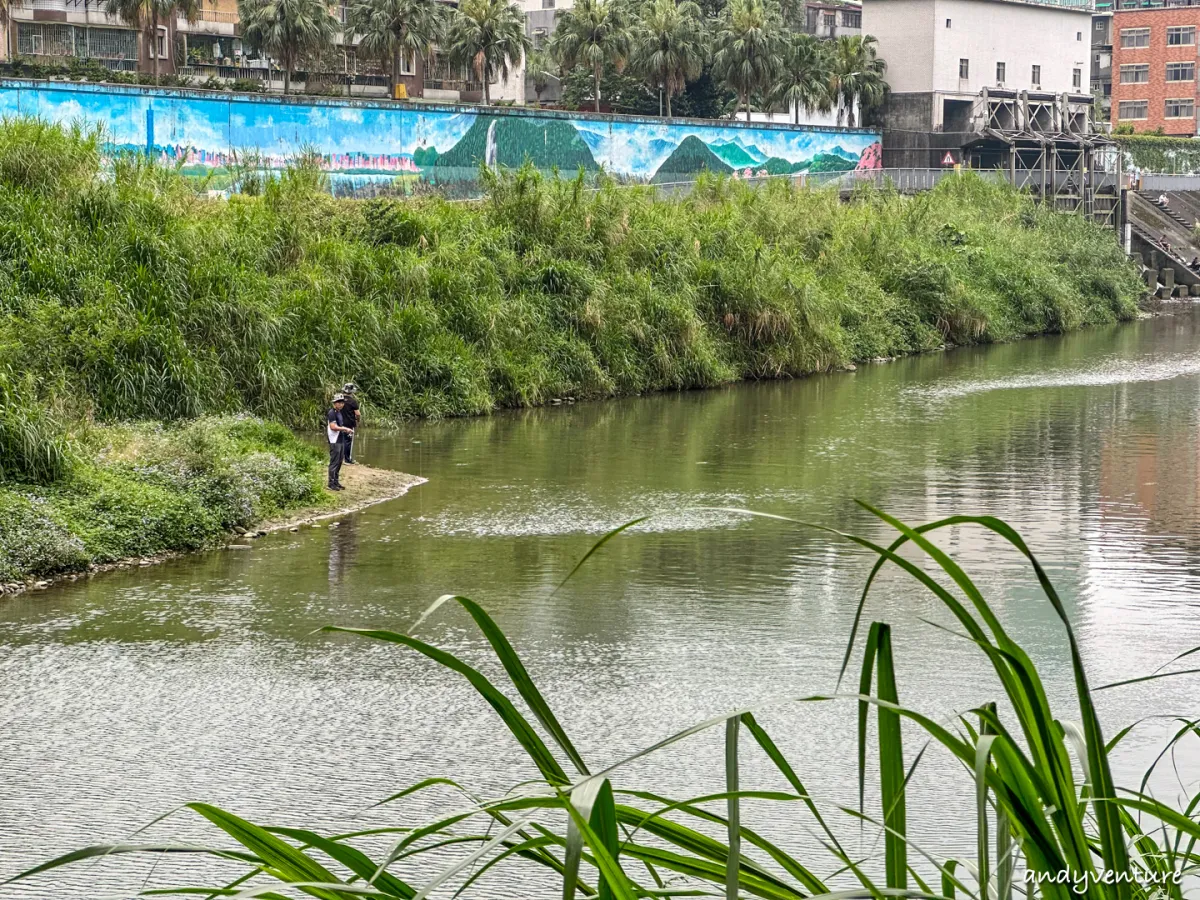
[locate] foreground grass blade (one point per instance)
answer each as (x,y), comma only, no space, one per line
(521,730)
(734,830)
(603,821)
(522,682)
(582,798)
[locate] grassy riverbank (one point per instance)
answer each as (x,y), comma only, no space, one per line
(128,295)
(131,297)
(129,492)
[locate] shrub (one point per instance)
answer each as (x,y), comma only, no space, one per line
(32,541)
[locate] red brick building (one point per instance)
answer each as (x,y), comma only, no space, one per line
(1154,65)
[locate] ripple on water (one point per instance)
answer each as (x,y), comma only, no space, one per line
(1092,373)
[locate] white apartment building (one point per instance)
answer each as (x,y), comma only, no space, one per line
(941,54)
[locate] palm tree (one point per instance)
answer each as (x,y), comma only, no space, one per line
(537,69)
(804,79)
(749,49)
(394,30)
(856,75)
(593,33)
(489,36)
(148,15)
(669,46)
(288,30)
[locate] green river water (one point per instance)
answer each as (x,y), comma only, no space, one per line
(125,695)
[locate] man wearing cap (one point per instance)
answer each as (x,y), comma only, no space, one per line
(337,432)
(352,415)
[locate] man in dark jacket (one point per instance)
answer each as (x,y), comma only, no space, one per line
(336,431)
(352,415)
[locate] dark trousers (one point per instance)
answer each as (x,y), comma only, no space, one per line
(349,455)
(335,462)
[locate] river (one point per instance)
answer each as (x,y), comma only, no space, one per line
(125,695)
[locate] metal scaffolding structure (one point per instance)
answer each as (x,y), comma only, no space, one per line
(1045,144)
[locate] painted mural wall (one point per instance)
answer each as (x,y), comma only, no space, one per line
(381,148)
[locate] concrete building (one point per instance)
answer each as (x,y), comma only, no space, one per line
(1154,62)
(829,19)
(942,54)
(82,29)
(1102,53)
(211,47)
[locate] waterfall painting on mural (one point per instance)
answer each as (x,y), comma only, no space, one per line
(373,148)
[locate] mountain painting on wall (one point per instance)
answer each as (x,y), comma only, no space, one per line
(375,149)
(690,158)
(516,140)
(734,155)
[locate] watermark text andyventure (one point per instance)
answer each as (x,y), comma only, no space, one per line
(1081,881)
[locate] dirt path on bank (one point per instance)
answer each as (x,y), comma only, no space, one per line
(365,487)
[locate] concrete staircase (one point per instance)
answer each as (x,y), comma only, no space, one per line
(1168,210)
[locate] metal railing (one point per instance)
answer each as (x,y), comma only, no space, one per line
(1156,4)
(228,16)
(452,84)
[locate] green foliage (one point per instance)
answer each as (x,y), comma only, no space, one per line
(32,541)
(137,490)
(393,30)
(488,38)
(622,92)
(749,48)
(1038,773)
(669,46)
(593,34)
(1155,153)
(127,297)
(289,30)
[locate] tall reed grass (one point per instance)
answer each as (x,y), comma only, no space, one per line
(126,294)
(1039,778)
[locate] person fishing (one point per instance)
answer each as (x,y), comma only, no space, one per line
(337,432)
(353,415)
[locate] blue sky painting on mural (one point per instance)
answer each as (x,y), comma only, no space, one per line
(385,145)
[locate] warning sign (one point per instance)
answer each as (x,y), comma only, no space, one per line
(948,159)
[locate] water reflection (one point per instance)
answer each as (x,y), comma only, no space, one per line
(202,678)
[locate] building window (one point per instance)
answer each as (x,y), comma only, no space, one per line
(1133,109)
(1184,108)
(851,19)
(1100,25)
(1134,38)
(406,64)
(1181,71)
(999,73)
(160,48)
(547,4)
(1036,77)
(947,23)
(964,68)
(1079,35)
(1181,36)
(1077,78)
(830,21)
(1137,74)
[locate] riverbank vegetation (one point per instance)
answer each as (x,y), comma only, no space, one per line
(109,493)
(128,295)
(1038,779)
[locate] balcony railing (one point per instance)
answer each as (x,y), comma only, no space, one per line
(452,84)
(1155,4)
(218,15)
